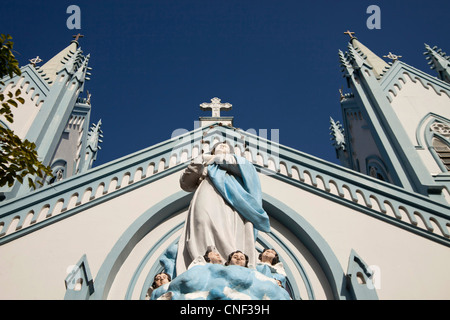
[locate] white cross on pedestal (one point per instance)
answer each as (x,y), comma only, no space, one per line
(215,106)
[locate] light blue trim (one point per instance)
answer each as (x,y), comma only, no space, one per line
(146,222)
(313,241)
(295,292)
(349,105)
(58,192)
(429,143)
(395,147)
(426,140)
(379,165)
(84,110)
(33,76)
(317,168)
(81,273)
(4,125)
(56,165)
(395,73)
(428,119)
(155,269)
(50,122)
(370,99)
(441,216)
(149,279)
(181,200)
(357,268)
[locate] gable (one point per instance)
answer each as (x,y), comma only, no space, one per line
(413,94)
(279,162)
(313,204)
(34,91)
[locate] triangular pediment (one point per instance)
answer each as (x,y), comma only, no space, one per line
(395,77)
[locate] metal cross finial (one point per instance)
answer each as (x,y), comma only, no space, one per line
(350,33)
(215,106)
(392,56)
(35,60)
(78,36)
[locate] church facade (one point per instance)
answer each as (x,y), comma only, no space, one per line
(375,227)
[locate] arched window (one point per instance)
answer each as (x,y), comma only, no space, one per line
(441,142)
(376,168)
(433,133)
(58,170)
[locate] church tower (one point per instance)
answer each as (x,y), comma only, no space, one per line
(55,116)
(396,120)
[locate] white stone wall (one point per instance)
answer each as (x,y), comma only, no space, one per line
(410,266)
(24,114)
(35,266)
(411,103)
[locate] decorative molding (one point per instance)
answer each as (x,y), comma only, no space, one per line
(394,78)
(392,204)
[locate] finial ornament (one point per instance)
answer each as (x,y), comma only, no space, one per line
(215,106)
(342,97)
(88,100)
(77,36)
(35,60)
(392,56)
(350,33)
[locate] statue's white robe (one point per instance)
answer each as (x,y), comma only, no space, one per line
(210,220)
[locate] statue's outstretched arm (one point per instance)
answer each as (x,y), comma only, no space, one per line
(193,175)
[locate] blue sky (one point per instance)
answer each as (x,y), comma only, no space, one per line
(276,62)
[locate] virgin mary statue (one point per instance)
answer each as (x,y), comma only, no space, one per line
(226,209)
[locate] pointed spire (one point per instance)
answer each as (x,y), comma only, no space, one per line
(359,55)
(82,70)
(55,64)
(94,137)
(379,65)
(439,61)
(346,64)
(92,146)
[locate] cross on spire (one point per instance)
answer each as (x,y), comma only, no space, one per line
(350,33)
(35,60)
(215,106)
(392,56)
(78,36)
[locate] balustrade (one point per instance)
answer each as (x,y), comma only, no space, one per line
(331,180)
